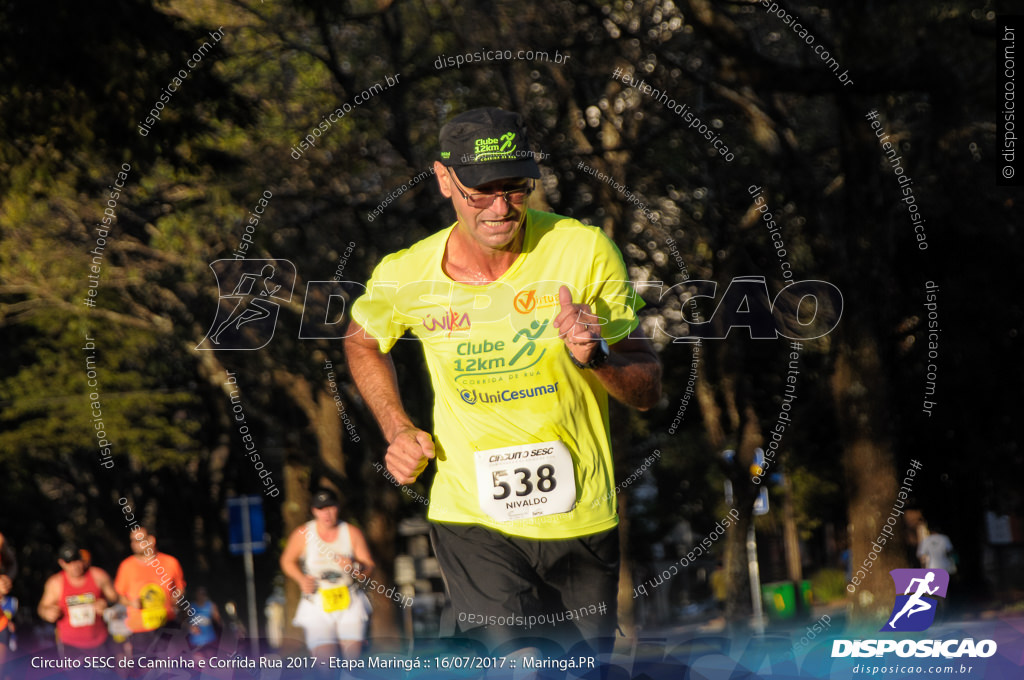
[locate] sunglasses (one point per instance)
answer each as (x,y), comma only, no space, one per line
(514,196)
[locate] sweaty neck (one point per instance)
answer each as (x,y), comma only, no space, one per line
(467,261)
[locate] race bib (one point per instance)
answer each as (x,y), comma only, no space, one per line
(153,618)
(154,612)
(81,612)
(524,481)
(336,599)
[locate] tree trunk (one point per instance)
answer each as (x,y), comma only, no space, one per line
(870,475)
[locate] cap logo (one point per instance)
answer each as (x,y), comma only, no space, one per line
(446,154)
(492,149)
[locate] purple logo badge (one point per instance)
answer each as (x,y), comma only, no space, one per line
(914,610)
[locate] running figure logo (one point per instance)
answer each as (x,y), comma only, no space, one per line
(247,316)
(916,611)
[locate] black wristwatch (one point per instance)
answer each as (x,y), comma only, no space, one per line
(599,359)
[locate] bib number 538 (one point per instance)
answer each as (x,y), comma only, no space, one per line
(519,482)
(545,481)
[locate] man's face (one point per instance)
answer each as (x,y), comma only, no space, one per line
(495,227)
(141,542)
(74,568)
(328,515)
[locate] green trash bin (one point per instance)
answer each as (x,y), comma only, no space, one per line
(779,599)
(806,595)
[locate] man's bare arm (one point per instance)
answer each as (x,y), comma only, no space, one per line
(103,582)
(49,606)
(289,561)
(632,373)
(409,447)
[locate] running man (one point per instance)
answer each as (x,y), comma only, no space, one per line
(916,604)
(148,583)
(325,557)
(75,599)
(526,320)
(935,551)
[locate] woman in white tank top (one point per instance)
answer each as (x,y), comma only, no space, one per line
(329,559)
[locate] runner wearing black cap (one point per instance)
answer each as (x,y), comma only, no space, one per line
(526,319)
(75,598)
(325,557)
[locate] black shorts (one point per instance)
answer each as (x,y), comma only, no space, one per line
(503,587)
(158,642)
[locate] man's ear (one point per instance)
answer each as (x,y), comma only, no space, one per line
(444,182)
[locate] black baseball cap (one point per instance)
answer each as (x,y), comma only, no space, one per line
(69,552)
(483,145)
(324,498)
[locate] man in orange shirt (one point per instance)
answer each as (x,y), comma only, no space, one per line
(151,585)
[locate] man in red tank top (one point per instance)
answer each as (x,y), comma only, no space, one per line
(74,599)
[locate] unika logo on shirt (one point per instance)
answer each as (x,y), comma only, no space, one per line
(449,321)
(915,611)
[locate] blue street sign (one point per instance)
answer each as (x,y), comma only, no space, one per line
(761,502)
(238,508)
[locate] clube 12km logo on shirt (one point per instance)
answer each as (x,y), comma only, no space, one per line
(914,611)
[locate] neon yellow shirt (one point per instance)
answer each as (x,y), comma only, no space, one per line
(502,378)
